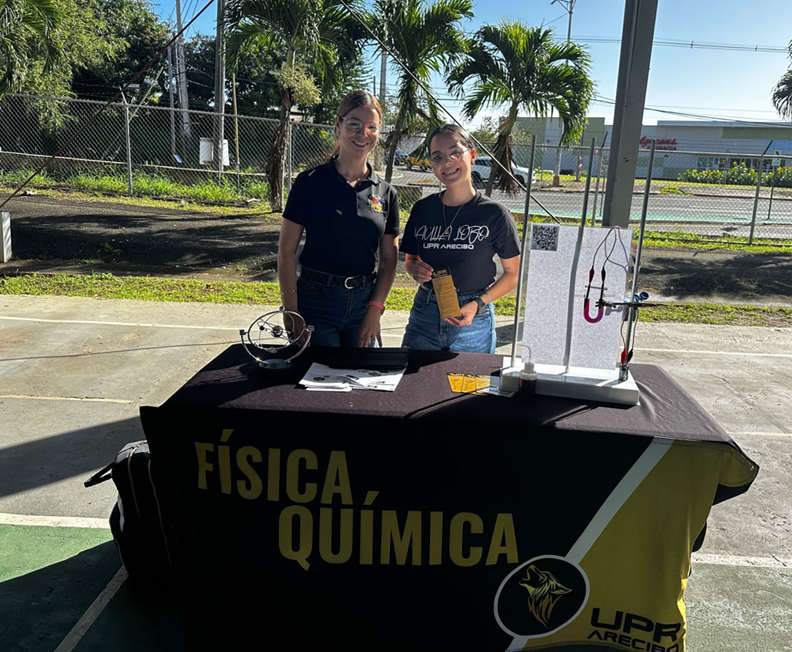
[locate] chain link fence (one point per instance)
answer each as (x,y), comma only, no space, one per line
(153,150)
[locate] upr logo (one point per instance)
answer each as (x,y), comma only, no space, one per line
(541,596)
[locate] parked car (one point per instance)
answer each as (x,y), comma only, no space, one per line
(483,164)
(400,158)
(422,164)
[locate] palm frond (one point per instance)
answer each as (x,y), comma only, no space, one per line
(782,96)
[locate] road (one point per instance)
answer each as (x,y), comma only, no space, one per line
(727,210)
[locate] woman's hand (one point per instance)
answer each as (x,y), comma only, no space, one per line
(468,311)
(370,328)
(296,326)
(421,272)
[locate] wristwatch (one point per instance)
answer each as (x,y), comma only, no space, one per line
(481,305)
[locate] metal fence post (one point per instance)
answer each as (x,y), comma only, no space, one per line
(291,148)
(596,189)
(756,200)
(128,145)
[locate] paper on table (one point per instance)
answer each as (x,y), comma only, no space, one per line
(321,377)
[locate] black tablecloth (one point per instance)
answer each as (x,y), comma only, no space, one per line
(233,381)
(425,519)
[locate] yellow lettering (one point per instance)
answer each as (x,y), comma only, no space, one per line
(456,539)
(366,537)
(435,538)
(504,541)
(252,490)
(286,535)
(401,540)
(273,474)
(337,480)
(201,449)
(293,476)
(326,536)
(224,457)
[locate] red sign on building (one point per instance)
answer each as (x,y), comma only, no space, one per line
(662,143)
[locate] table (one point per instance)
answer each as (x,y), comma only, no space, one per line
(427,520)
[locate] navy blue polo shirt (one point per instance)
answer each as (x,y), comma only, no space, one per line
(343,224)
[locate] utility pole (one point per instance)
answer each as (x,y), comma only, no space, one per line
(219,92)
(184,102)
(383,72)
(636,53)
(170,99)
(569,5)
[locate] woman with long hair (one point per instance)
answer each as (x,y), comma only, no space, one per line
(458,233)
(351,222)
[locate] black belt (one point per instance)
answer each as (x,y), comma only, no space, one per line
(333,280)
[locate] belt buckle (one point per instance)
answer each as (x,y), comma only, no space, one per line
(346,280)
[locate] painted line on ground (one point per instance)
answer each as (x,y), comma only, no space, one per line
(744,562)
(119,323)
(749,433)
(752,354)
(91,399)
(55,521)
(93,612)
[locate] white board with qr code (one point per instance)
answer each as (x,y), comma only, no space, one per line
(595,341)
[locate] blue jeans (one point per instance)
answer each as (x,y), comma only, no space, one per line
(425,330)
(335,312)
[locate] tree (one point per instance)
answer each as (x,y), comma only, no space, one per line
(311,35)
(782,93)
(523,68)
(424,38)
(28,32)
(257,91)
(138,34)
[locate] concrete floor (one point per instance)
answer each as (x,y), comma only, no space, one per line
(73,373)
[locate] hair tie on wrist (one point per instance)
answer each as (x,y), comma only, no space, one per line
(378,305)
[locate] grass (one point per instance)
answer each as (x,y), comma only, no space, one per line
(144,185)
(109,286)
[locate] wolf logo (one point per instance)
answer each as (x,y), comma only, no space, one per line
(544,591)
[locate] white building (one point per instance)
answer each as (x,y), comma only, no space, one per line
(681,145)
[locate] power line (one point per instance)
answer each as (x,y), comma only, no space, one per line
(732,47)
(606,100)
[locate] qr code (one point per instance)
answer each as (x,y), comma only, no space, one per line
(544,237)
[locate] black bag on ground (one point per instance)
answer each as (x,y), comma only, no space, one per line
(143,537)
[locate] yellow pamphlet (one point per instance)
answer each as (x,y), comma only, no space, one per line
(446,294)
(455,380)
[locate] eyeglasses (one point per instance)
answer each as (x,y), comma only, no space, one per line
(453,156)
(357,126)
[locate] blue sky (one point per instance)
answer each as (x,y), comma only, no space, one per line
(714,83)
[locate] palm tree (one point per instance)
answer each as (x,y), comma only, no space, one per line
(28,30)
(424,38)
(303,32)
(524,68)
(782,93)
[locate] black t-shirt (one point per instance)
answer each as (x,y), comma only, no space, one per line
(466,243)
(343,225)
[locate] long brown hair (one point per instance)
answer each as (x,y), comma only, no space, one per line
(352,101)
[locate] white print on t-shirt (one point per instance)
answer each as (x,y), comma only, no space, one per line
(432,237)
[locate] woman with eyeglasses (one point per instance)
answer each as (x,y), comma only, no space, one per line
(351,222)
(458,232)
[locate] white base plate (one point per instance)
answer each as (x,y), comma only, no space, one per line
(585,384)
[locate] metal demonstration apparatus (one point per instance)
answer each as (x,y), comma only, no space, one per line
(575,314)
(267,339)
